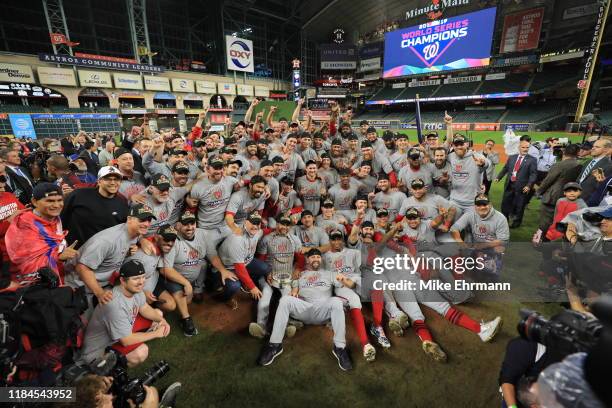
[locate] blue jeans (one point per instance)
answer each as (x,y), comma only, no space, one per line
(256,268)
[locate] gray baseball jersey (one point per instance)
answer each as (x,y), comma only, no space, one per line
(493,227)
(311,237)
(293,162)
(466,177)
(104,252)
(212,201)
(380,163)
(343,199)
(310,193)
(239,249)
(351,216)
(346,262)
(166,212)
(424,172)
(111,322)
(392,201)
(287,202)
(135,185)
(330,224)
(189,257)
(398,161)
(318,285)
(442,189)
(329,176)
(153,167)
(427,205)
(424,235)
(241,204)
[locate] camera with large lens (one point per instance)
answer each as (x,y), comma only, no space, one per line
(565,333)
(126,388)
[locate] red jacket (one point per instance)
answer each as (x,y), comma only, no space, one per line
(562,208)
(32,243)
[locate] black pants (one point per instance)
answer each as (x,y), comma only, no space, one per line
(487,183)
(514,202)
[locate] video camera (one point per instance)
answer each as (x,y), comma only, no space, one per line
(565,333)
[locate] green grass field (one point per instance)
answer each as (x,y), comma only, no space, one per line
(217,367)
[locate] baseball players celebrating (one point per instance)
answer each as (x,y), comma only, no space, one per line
(312,302)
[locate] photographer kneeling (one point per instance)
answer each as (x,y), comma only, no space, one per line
(95,391)
(119,322)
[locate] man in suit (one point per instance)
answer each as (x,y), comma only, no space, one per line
(600,154)
(90,157)
(521,172)
(18,179)
(551,188)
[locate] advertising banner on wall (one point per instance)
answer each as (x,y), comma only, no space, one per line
(370,64)
(98,63)
(95,79)
(22,125)
(371,50)
(16,73)
(226,88)
(206,87)
(522,30)
(243,89)
(239,54)
(156,83)
(127,81)
(56,76)
(182,85)
(338,57)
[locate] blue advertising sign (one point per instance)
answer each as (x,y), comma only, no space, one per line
(519,127)
(447,44)
(22,125)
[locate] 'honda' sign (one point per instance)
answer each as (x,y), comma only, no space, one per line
(239,54)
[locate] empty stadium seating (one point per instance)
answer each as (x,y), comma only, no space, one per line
(534,113)
(512,83)
(467,88)
(473,116)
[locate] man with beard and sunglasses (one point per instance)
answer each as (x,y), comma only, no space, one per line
(311,188)
(280,251)
(467,168)
(416,168)
(429,205)
(312,302)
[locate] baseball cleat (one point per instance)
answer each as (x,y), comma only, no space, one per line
(269,353)
(379,333)
(396,327)
(257,330)
(403,320)
(488,330)
(188,327)
(369,353)
(434,351)
(344,360)
(290,330)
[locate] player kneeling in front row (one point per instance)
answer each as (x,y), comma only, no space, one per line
(311,302)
